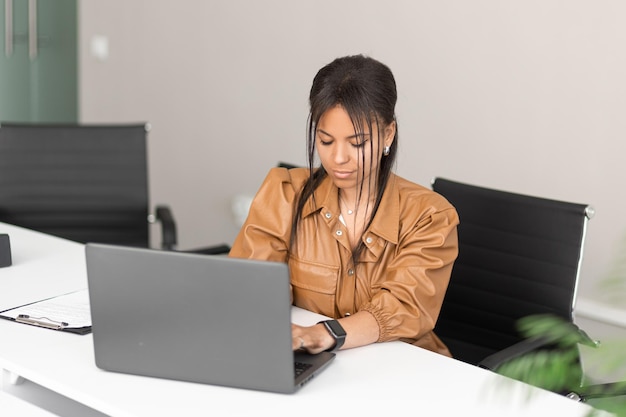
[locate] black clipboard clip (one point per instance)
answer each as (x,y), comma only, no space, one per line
(42,322)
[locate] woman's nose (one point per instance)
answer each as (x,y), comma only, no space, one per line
(341,154)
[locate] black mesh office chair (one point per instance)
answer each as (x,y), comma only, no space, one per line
(87,183)
(519,256)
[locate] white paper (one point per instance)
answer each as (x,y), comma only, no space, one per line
(72,309)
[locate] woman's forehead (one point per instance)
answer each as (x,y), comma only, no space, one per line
(338,118)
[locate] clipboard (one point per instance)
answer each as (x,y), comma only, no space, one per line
(67,313)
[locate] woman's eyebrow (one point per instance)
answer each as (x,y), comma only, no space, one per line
(355,136)
(324,132)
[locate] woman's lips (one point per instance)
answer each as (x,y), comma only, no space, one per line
(342,174)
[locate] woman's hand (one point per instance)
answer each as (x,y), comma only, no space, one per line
(312,339)
(361,329)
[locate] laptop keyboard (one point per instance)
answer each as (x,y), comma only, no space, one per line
(300,367)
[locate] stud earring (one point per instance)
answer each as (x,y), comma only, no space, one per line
(386,150)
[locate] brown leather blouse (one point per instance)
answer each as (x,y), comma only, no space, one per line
(403,274)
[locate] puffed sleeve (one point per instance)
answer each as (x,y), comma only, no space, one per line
(265,234)
(417,276)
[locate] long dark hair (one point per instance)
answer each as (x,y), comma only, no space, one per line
(366,89)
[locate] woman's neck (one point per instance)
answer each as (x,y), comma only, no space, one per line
(352,200)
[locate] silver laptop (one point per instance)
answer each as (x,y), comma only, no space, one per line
(199,318)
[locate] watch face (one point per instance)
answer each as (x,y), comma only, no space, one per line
(336,331)
(336,328)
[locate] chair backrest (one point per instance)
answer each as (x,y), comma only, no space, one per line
(518,256)
(86,183)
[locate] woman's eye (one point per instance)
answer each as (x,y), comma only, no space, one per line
(360,141)
(325,142)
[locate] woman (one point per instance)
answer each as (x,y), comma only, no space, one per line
(364,246)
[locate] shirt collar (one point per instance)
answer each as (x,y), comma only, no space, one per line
(386,224)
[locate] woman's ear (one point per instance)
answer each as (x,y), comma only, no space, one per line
(390,133)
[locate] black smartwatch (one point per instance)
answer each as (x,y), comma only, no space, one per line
(336,331)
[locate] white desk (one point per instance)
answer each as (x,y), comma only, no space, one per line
(387,378)
(43,266)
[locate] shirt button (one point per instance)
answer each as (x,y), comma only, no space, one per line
(350,271)
(368,240)
(328,215)
(347,314)
(339,233)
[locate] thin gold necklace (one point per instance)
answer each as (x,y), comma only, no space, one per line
(348,210)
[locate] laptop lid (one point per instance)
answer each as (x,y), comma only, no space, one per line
(198,318)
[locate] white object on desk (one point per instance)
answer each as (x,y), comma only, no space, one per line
(240,207)
(44,266)
(69,311)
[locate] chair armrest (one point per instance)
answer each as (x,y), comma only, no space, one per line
(493,361)
(163,214)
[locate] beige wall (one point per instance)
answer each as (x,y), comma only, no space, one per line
(527,96)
